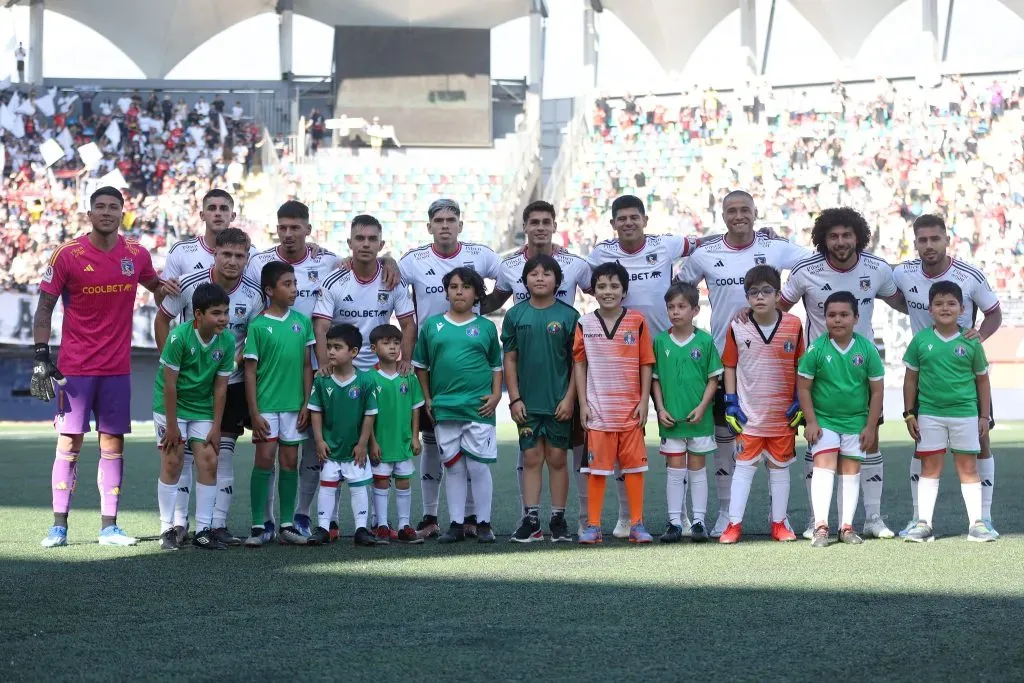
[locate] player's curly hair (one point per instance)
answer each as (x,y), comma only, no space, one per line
(832,218)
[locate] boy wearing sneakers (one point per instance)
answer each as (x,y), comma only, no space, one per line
(686,372)
(396,433)
(343,405)
(840,391)
(947,380)
(188,404)
(613,366)
(537,336)
(760,359)
(276,346)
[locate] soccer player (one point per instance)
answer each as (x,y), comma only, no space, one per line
(188,405)
(458,362)
(760,360)
(537,335)
(687,369)
(343,405)
(246,303)
(613,359)
(276,346)
(539,226)
(423,269)
(946,403)
(311,265)
(840,391)
(914,279)
(722,262)
(97,275)
(841,236)
(396,434)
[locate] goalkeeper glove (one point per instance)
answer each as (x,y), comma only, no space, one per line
(43,371)
(734,417)
(795,415)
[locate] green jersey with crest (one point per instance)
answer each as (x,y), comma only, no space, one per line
(840,393)
(198,364)
(946,372)
(397,397)
(344,405)
(542,338)
(683,368)
(280,348)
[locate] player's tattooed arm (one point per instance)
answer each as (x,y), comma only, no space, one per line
(154,285)
(494,301)
(42,323)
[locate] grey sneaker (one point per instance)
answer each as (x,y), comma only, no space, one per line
(980,533)
(992,529)
(921,533)
(255,539)
(848,535)
(289,535)
(819,537)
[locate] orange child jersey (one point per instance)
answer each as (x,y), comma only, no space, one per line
(765,371)
(613,361)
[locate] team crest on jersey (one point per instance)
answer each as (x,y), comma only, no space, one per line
(469,264)
(353,393)
(312,275)
(695,354)
(858,360)
(760,259)
(217,355)
(403,388)
(127,267)
(652,259)
(382,298)
(628,339)
(296,328)
(789,347)
(865,283)
(472,331)
(554,327)
(240,309)
(48,274)
(960,350)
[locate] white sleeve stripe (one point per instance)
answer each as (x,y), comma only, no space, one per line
(172,367)
(983,372)
(315,409)
(225,374)
(876,379)
(417,405)
(804,374)
(495,369)
(909,366)
(251,356)
(716,373)
(370,412)
(421,366)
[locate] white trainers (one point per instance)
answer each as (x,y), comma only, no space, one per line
(874,527)
(720,525)
(809,531)
(621,529)
(115,535)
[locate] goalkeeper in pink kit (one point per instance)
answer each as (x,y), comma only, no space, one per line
(96,276)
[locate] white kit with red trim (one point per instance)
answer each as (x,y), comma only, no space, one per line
(310,272)
(423,268)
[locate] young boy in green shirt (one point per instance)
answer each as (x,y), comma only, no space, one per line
(396,434)
(839,384)
(188,403)
(686,371)
(947,403)
(276,346)
(342,407)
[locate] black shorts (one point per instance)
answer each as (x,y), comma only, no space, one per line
(718,407)
(236,411)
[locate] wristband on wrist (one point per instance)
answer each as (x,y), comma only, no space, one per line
(42,351)
(512,403)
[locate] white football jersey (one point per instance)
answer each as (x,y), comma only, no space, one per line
(310,271)
(575,274)
(724,267)
(814,280)
(191,255)
(423,268)
(650,272)
(344,298)
(246,302)
(914,284)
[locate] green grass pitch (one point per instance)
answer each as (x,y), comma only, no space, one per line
(762,611)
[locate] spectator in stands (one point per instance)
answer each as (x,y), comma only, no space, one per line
(19,59)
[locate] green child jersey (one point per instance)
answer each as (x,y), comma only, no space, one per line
(462,359)
(683,368)
(946,372)
(543,339)
(840,393)
(344,405)
(198,364)
(397,397)
(280,348)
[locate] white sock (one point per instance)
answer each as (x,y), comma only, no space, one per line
(742,479)
(725,462)
(470,501)
(456,487)
(808,483)
(206,497)
(225,481)
(430,474)
(181,503)
(482,486)
(699,493)
(778,481)
(359,499)
(309,478)
(270,512)
(165,497)
(325,503)
(581,479)
(871,483)
(915,475)
(987,472)
(380,506)
(520,463)
(404,503)
(620,491)
(822,481)
(675,490)
(972,499)
(927,494)
(849,484)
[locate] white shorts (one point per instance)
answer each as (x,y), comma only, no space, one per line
(958,433)
(333,472)
(283,428)
(694,445)
(473,439)
(846,445)
(190,430)
(403,469)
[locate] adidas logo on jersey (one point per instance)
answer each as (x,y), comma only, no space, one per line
(827,288)
(913,290)
(431,272)
(348,297)
(197,266)
(89,268)
(719,264)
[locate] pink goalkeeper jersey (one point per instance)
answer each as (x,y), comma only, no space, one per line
(98,290)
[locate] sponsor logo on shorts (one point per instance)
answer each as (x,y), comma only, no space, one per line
(858,360)
(472,331)
(127,267)
(160,431)
(652,259)
(628,339)
(789,347)
(554,327)
(353,393)
(695,354)
(960,350)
